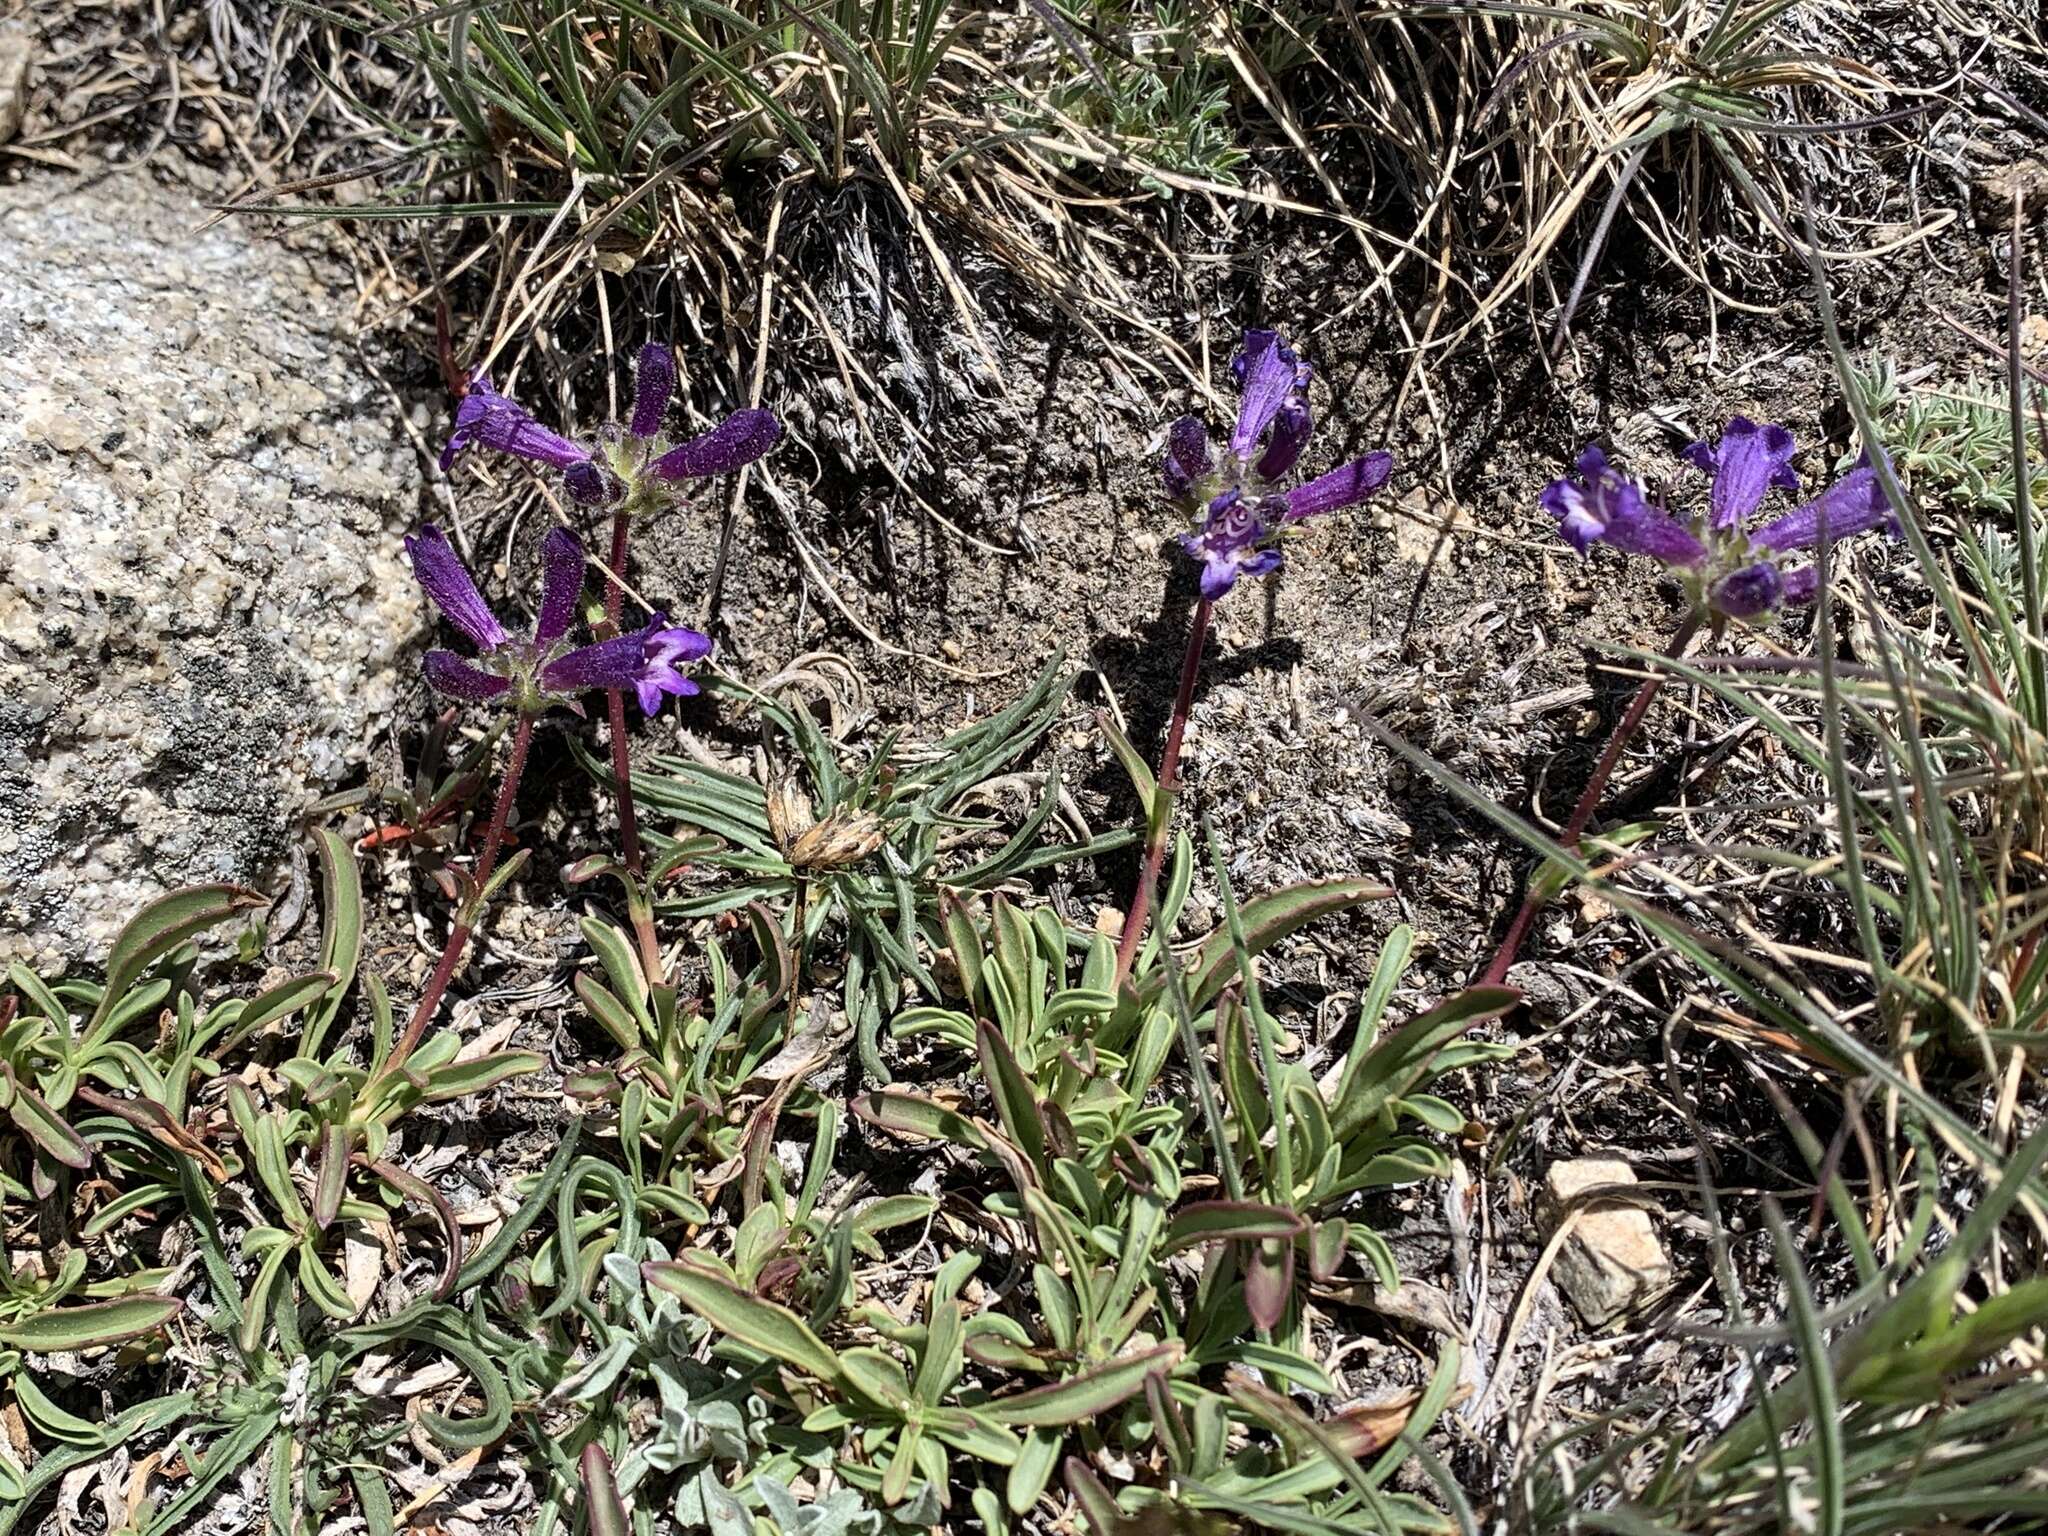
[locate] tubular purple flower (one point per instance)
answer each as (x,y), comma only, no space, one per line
(1753,590)
(1732,572)
(1289,436)
(1852,504)
(448,584)
(613,663)
(654,383)
(734,443)
(1273,379)
(1600,505)
(561,583)
(646,660)
(1187,456)
(1745,464)
(1342,487)
(489,418)
(448,673)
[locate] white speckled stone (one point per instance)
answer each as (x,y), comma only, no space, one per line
(203,599)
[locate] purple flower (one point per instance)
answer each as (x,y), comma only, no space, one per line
(532,674)
(1272,379)
(1602,506)
(1243,512)
(1735,573)
(1228,543)
(639,461)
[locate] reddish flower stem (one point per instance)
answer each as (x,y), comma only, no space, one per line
(458,937)
(1589,801)
(615,698)
(1160,813)
(622,761)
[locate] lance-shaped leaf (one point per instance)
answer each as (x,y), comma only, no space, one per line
(42,1125)
(1402,1059)
(1086,1396)
(1016,1104)
(92,1326)
(604,1513)
(908,1114)
(1208,1221)
(1267,920)
(161,927)
(762,1325)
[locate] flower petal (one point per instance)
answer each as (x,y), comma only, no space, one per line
(561,583)
(447,582)
(496,422)
(592,484)
(1601,505)
(1271,376)
(1290,434)
(736,441)
(1803,585)
(1342,487)
(1637,528)
(613,663)
(1853,503)
(1753,590)
(1187,455)
(1749,460)
(654,381)
(448,673)
(663,651)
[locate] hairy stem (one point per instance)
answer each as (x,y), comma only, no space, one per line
(458,936)
(615,698)
(622,761)
(1589,801)
(1160,813)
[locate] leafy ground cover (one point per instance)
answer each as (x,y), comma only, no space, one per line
(1041,1038)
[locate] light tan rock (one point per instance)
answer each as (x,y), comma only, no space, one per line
(1611,1263)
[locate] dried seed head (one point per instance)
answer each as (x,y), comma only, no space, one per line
(789,812)
(843,838)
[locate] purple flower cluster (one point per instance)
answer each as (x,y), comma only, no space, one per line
(1734,572)
(1244,512)
(529,675)
(636,459)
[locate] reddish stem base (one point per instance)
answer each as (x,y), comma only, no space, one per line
(1589,801)
(1160,814)
(458,937)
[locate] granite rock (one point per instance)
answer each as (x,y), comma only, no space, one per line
(204,606)
(1611,1262)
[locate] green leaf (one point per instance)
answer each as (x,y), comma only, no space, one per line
(1267,920)
(43,1125)
(281,1001)
(761,1325)
(908,1114)
(161,927)
(91,1326)
(1207,1221)
(460,1079)
(1080,1398)
(1016,1105)
(1401,1060)
(341,937)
